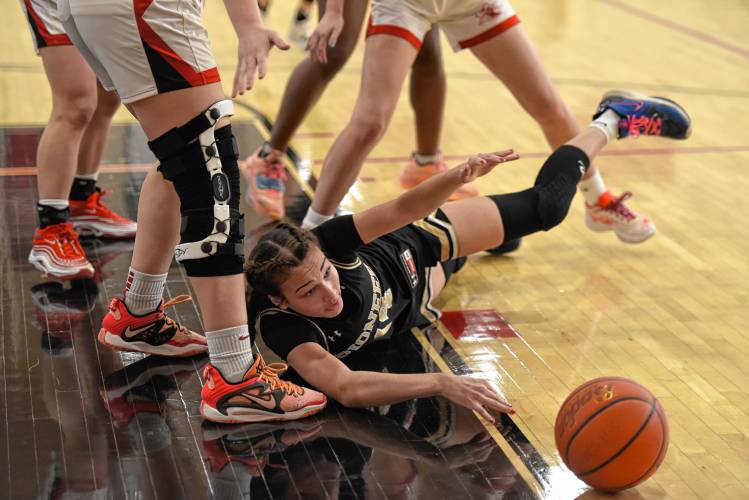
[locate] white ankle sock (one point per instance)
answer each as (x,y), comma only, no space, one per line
(313,219)
(423,160)
(230,351)
(88,177)
(54,203)
(592,188)
(143,291)
(608,123)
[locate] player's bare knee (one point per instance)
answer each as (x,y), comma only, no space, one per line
(371,127)
(75,113)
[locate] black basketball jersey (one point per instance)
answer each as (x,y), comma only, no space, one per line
(377,288)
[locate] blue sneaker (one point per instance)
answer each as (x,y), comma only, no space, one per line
(644,115)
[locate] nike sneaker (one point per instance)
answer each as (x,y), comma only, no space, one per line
(92,217)
(261,396)
(611,214)
(266,177)
(414,174)
(643,115)
(57,252)
(151,333)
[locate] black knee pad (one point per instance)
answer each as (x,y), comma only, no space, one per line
(186,169)
(546,204)
(556,184)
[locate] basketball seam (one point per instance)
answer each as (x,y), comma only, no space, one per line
(626,445)
(656,462)
(591,417)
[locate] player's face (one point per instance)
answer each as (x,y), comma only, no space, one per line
(312,288)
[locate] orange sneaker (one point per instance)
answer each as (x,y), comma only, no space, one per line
(93,218)
(611,214)
(414,174)
(260,397)
(152,333)
(266,177)
(57,252)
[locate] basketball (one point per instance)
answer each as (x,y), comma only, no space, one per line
(612,433)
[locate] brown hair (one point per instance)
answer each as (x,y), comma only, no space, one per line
(277,252)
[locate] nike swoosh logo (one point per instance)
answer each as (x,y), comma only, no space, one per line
(265,400)
(244,337)
(153,327)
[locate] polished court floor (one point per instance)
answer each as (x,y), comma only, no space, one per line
(569,305)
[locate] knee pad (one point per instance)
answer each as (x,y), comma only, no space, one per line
(201,162)
(556,184)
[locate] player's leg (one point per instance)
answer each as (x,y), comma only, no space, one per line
(545,205)
(88,213)
(387,60)
(427,89)
(264,170)
(56,249)
(514,60)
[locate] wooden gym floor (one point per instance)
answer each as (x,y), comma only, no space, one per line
(669,313)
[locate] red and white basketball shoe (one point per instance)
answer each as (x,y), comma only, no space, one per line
(151,333)
(611,214)
(260,397)
(57,252)
(93,218)
(266,177)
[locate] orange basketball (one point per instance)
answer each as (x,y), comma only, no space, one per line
(612,433)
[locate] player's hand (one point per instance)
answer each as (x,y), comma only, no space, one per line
(325,35)
(476,394)
(252,55)
(483,163)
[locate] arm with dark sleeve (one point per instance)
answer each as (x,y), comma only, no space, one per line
(339,239)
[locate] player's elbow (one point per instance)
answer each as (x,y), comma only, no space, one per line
(349,395)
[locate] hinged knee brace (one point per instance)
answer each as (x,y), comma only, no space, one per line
(205,173)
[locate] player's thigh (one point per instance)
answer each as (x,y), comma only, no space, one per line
(70,77)
(476,223)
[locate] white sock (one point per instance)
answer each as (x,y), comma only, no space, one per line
(230,351)
(423,160)
(54,203)
(313,219)
(608,123)
(88,177)
(143,291)
(592,188)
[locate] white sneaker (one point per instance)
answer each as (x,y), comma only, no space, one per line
(611,214)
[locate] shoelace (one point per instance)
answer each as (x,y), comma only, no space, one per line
(270,374)
(96,198)
(68,239)
(644,125)
(179,299)
(274,170)
(618,206)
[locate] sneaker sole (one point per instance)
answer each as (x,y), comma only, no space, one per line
(101,230)
(245,415)
(115,342)
(662,100)
(42,263)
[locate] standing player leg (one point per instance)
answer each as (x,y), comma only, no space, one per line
(427,89)
(264,170)
(56,249)
(387,60)
(88,213)
(514,60)
(179,102)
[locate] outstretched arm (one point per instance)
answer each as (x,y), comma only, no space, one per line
(362,389)
(425,198)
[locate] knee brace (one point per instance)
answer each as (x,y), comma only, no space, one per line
(546,204)
(201,162)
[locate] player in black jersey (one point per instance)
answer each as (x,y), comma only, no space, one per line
(318,296)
